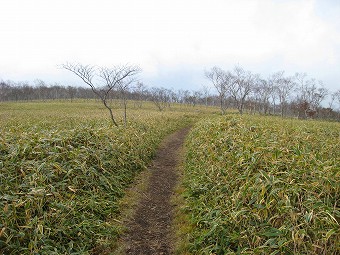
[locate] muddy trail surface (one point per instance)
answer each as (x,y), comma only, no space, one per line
(149,231)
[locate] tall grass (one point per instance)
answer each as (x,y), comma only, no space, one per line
(63,168)
(258,185)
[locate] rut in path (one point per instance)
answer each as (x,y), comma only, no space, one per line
(149,230)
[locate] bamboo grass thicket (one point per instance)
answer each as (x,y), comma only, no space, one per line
(62,173)
(260,185)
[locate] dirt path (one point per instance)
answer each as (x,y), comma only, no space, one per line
(149,230)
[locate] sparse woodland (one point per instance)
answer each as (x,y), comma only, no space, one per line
(298,96)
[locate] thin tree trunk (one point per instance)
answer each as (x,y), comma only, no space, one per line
(125,108)
(221,104)
(111,114)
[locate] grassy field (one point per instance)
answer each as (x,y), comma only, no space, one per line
(63,168)
(252,185)
(263,185)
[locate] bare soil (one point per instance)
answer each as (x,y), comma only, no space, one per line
(149,230)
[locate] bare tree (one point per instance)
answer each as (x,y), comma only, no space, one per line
(186,97)
(272,86)
(301,86)
(71,91)
(160,97)
(263,91)
(193,98)
(242,85)
(221,81)
(4,88)
(334,103)
(303,95)
(172,96)
(309,95)
(103,80)
(139,91)
(283,87)
(335,96)
(123,88)
(316,93)
(205,91)
(42,89)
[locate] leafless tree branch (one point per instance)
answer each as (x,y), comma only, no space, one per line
(117,77)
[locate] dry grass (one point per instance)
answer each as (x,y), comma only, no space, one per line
(257,185)
(64,169)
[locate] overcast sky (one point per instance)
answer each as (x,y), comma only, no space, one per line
(173,41)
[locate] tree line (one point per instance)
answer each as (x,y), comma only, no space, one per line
(25,91)
(297,96)
(279,94)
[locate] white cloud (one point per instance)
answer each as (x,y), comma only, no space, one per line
(267,34)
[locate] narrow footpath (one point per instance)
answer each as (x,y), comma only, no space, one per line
(150,228)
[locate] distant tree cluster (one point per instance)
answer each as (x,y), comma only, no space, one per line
(296,96)
(139,92)
(24,91)
(278,94)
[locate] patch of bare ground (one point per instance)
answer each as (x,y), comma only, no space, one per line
(149,229)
